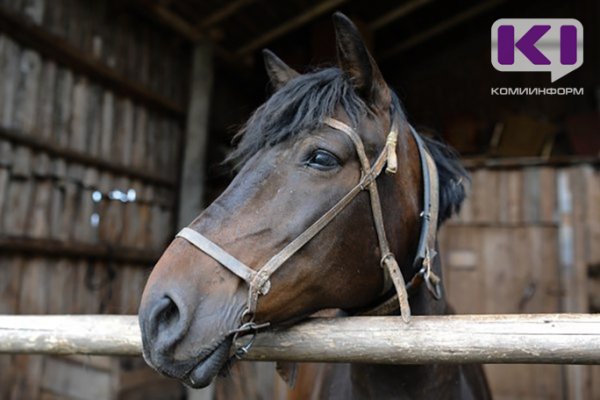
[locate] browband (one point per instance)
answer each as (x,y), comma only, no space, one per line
(258,280)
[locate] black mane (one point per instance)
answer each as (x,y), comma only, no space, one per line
(303,103)
(452,178)
(298,107)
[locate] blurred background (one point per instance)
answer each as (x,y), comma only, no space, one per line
(115,116)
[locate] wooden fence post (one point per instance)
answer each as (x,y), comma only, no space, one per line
(196,137)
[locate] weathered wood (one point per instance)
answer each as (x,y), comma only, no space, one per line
(25,112)
(192,183)
(486,203)
(401,11)
(222,13)
(123,133)
(133,231)
(63,107)
(139,138)
(301,19)
(94,119)
(447,23)
(80,157)
(187,30)
(525,251)
(527,338)
(574,277)
(83,229)
(593,202)
(70,380)
(59,248)
(10,55)
(78,126)
(97,334)
(39,220)
(18,194)
(520,162)
(56,48)
(4,179)
(45,106)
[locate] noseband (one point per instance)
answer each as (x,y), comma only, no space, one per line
(259,280)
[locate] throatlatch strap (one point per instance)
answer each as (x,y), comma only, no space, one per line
(423,262)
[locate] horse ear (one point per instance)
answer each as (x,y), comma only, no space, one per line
(279,72)
(358,65)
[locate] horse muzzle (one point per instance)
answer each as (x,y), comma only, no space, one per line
(169,348)
(186,326)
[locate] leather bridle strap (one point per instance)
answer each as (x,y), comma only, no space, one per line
(206,245)
(423,261)
(259,280)
(388,261)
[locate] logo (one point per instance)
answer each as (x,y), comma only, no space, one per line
(537,44)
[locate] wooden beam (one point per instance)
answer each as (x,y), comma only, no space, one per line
(513,338)
(59,249)
(522,162)
(166,17)
(178,24)
(79,157)
(193,164)
(222,13)
(440,28)
(55,48)
(403,10)
(296,22)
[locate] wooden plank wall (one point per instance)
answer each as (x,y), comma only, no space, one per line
(526,242)
(69,137)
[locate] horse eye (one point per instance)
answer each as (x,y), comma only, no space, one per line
(323,160)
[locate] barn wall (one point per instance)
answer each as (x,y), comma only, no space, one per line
(92,105)
(526,242)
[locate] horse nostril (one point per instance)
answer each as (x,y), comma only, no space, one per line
(169,315)
(164,322)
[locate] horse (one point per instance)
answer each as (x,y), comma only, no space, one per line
(319,225)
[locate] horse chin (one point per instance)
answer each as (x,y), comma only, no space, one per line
(209,367)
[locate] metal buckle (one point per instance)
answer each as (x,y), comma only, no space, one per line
(241,351)
(249,326)
(264,289)
(432,281)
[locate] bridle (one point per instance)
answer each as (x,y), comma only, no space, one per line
(259,280)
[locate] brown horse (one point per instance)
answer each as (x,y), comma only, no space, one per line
(300,156)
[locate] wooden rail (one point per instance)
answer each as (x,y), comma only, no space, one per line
(530,338)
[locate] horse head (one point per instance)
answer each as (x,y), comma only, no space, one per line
(295,166)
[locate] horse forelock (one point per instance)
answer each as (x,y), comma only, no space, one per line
(298,108)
